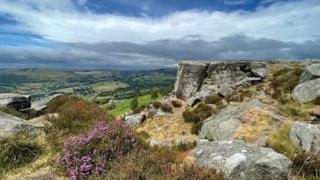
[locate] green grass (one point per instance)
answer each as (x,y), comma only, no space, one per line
(124,105)
(107,86)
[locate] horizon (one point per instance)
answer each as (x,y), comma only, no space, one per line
(154,34)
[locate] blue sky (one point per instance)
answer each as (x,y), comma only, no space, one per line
(154,33)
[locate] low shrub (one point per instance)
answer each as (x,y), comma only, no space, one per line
(190,116)
(181,147)
(176,103)
(166,108)
(196,127)
(157,104)
(158,163)
(14,112)
(91,154)
(138,109)
(316,101)
(197,116)
(213,99)
(18,151)
(306,164)
(76,115)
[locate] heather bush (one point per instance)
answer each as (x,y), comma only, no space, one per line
(316,101)
(176,103)
(92,153)
(166,108)
(157,104)
(190,116)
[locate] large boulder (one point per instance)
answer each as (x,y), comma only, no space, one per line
(306,136)
(238,160)
(10,125)
(310,72)
(307,91)
(224,125)
(224,77)
(135,119)
(16,101)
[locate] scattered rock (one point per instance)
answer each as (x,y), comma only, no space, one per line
(135,119)
(310,72)
(223,126)
(306,136)
(16,101)
(153,112)
(238,160)
(156,142)
(307,91)
(10,124)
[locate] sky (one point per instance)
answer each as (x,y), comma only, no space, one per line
(144,34)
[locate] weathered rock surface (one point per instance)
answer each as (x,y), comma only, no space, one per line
(41,104)
(194,77)
(223,126)
(15,101)
(310,72)
(135,119)
(307,91)
(238,160)
(306,136)
(153,112)
(10,124)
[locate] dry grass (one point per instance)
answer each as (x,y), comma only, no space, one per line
(255,122)
(167,128)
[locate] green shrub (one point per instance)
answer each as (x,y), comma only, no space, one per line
(157,104)
(176,103)
(284,81)
(190,116)
(213,99)
(134,103)
(166,108)
(197,116)
(110,107)
(203,111)
(18,151)
(139,109)
(181,147)
(154,95)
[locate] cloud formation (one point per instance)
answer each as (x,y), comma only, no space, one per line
(67,34)
(160,53)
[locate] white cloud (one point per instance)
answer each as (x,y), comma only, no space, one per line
(60,21)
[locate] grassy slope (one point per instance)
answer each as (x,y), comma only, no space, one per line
(124,105)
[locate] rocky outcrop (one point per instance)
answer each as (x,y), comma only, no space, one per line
(238,160)
(10,124)
(135,119)
(16,101)
(221,77)
(41,104)
(308,88)
(310,72)
(224,125)
(306,136)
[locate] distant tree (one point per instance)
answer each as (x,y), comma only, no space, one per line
(154,95)
(134,103)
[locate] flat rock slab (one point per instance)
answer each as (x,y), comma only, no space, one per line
(306,136)
(10,124)
(238,160)
(224,125)
(42,103)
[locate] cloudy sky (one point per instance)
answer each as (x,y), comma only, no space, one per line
(108,34)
